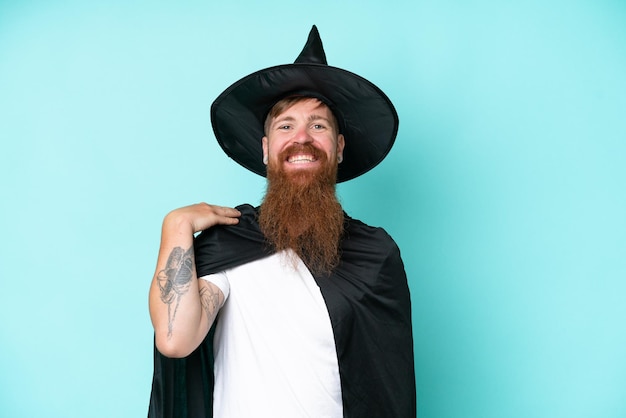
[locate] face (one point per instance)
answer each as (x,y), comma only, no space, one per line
(298,137)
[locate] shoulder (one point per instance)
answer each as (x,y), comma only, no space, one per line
(358,231)
(247,221)
(222,236)
(247,209)
(224,246)
(370,254)
(370,245)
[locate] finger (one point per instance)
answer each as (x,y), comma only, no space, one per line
(227,220)
(226,211)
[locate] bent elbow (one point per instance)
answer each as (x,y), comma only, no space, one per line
(172,348)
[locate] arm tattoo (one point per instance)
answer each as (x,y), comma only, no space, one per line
(210,300)
(174,281)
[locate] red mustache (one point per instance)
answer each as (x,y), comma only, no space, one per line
(306,148)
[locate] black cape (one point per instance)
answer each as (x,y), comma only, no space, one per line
(368,301)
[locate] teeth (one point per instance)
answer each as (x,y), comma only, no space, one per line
(301,159)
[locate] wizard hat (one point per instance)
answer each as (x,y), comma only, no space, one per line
(366,116)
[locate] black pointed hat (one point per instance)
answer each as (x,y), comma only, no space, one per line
(366,116)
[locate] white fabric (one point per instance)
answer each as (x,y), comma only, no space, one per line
(221,281)
(274,346)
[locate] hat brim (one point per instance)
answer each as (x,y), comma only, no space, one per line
(365,115)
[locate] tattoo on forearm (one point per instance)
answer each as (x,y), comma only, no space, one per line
(174,281)
(210,300)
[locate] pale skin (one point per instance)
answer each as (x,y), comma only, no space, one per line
(183,308)
(308,121)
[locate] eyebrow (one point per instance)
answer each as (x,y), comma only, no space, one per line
(311,118)
(317,117)
(281,119)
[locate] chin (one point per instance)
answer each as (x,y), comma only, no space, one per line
(300,176)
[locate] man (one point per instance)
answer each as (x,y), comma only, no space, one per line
(292,309)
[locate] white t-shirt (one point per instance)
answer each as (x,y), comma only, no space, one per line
(274,347)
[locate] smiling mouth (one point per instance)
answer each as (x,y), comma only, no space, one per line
(301,159)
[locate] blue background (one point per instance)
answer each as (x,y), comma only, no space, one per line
(505,189)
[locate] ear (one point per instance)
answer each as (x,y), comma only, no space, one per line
(341,143)
(265,150)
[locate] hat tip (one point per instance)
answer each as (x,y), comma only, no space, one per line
(313,51)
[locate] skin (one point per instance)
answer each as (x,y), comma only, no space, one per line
(183,308)
(308,121)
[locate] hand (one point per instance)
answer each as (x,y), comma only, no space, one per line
(201,216)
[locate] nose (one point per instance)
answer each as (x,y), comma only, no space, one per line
(302,136)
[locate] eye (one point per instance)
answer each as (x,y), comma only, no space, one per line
(283,127)
(318,127)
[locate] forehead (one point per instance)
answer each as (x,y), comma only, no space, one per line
(307,106)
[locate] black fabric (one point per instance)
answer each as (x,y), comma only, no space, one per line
(313,51)
(370,311)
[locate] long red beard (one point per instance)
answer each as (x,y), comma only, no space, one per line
(301,212)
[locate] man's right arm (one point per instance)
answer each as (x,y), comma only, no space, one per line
(183,308)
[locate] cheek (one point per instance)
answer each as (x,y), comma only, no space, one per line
(275,146)
(273,151)
(332,147)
